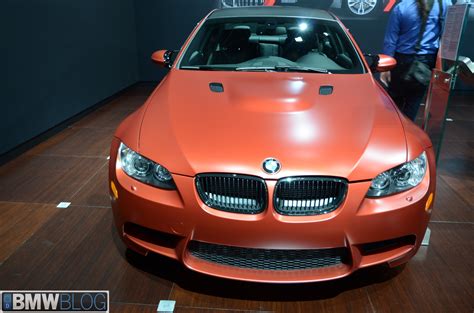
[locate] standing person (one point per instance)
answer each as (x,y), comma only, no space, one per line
(413,33)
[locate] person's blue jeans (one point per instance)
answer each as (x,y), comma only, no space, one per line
(408,96)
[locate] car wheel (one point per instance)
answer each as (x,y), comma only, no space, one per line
(363,7)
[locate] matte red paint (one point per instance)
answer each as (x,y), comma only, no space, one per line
(386,63)
(355,133)
(159,57)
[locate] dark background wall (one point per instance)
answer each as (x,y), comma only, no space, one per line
(369,34)
(165,24)
(60,57)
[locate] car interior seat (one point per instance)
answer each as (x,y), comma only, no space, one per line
(235,47)
(297,44)
(270,41)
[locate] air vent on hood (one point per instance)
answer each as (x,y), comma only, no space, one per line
(325,90)
(216,87)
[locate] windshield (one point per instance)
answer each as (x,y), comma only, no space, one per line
(272,44)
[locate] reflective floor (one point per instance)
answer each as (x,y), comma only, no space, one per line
(44,247)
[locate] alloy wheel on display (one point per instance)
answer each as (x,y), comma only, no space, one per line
(361,7)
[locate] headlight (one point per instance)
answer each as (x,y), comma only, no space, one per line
(400,178)
(144,170)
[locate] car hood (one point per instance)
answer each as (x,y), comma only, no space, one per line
(355,132)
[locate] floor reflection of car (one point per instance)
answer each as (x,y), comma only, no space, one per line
(350,7)
(269,153)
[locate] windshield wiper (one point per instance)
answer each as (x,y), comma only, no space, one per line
(278,68)
(283,68)
(256,69)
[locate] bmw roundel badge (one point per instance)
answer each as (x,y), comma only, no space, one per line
(271,165)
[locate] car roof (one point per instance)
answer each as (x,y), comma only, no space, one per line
(271,11)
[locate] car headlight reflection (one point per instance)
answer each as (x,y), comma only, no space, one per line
(143,169)
(400,178)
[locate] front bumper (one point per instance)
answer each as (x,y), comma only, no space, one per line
(172,219)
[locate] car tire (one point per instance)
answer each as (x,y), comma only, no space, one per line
(362,8)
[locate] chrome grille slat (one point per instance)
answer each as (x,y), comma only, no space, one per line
(232,193)
(303,196)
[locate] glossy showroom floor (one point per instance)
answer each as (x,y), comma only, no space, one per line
(44,247)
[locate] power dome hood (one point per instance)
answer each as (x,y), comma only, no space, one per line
(355,132)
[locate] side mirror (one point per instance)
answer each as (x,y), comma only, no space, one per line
(385,63)
(164,58)
(380,62)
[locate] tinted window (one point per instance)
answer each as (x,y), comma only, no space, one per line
(254,43)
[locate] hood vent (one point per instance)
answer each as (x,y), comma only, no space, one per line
(325,90)
(216,87)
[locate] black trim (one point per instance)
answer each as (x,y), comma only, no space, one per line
(312,189)
(387,245)
(216,87)
(326,90)
(152,236)
(234,186)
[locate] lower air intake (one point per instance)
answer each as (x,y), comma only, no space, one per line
(268,259)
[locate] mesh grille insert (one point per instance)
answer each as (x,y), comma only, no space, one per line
(268,259)
(232,193)
(309,195)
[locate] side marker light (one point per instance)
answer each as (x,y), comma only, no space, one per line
(429,202)
(114,190)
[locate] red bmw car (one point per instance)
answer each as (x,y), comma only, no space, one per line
(270,153)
